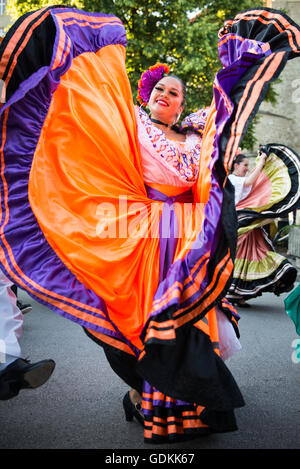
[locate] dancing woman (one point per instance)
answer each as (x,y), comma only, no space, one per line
(241,182)
(120,221)
(271,190)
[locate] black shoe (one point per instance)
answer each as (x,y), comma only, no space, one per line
(132,410)
(240,303)
(25,308)
(21,374)
(282,288)
(243,305)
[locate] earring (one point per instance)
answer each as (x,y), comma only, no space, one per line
(177,119)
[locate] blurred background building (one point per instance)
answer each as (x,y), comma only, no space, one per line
(4,18)
(280,123)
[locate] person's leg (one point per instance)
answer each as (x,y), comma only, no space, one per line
(24,307)
(15,289)
(124,365)
(11,322)
(16,373)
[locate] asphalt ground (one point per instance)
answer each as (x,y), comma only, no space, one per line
(80,407)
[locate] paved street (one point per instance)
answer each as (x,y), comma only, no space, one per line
(80,406)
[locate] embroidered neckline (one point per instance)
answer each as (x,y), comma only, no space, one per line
(183,157)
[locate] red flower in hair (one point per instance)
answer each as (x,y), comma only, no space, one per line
(148,81)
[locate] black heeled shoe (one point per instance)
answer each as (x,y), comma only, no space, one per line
(282,288)
(132,410)
(243,305)
(240,304)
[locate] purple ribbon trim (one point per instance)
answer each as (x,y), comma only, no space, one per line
(148,389)
(168,226)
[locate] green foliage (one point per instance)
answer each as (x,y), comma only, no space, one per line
(16,8)
(162,31)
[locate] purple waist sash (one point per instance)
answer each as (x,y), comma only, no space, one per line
(168,226)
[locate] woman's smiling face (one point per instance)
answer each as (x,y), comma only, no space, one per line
(166,100)
(241,169)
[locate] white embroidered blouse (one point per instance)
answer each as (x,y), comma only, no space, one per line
(166,161)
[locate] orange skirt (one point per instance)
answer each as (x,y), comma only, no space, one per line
(78,229)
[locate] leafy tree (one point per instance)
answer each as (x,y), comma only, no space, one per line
(182,33)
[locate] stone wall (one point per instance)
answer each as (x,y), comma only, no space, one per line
(294,244)
(281,123)
(5,20)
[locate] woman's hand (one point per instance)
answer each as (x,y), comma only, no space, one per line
(262,160)
(254,175)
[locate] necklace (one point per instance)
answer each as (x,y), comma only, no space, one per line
(158,122)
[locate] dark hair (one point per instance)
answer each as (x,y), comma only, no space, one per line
(239,158)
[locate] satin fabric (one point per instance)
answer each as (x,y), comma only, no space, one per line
(80,98)
(258,268)
(292,308)
(271,187)
(78,230)
(83,222)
